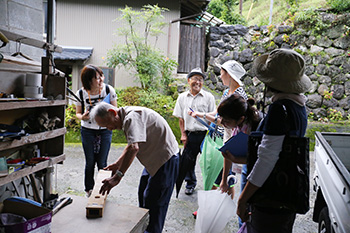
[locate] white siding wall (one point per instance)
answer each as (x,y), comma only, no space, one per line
(87,23)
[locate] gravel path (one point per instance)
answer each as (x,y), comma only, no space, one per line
(68,178)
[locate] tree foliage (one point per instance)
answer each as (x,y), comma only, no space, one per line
(224,10)
(139,52)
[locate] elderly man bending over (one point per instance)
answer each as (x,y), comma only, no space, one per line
(152,141)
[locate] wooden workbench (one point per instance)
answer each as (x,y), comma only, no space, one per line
(116,218)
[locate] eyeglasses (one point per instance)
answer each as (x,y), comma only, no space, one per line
(197,79)
(99,77)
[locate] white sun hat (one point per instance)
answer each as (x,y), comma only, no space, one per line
(235,70)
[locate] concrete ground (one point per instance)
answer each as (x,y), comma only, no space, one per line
(69,179)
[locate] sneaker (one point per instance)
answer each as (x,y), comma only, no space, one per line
(194,214)
(189,191)
(88,193)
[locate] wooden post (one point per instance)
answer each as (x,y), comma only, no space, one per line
(96,202)
(240,6)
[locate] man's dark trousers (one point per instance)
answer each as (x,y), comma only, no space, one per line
(155,193)
(192,148)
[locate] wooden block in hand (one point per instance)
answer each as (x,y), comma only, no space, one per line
(96,202)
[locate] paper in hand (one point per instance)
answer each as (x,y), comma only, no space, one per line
(237,145)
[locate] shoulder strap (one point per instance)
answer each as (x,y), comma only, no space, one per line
(82,101)
(288,121)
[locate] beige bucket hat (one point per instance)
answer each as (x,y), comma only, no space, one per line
(234,69)
(283,70)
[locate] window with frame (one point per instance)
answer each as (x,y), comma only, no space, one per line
(109,75)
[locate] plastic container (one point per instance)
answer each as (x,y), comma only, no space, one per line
(33,92)
(33,79)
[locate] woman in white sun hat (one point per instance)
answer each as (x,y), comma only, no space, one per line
(282,71)
(231,73)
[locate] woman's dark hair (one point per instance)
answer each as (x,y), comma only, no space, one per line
(87,74)
(235,106)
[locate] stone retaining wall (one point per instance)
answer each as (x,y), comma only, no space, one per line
(327,58)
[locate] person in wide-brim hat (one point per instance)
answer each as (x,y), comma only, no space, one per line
(282,70)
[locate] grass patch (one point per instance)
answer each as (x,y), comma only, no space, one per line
(73,144)
(312,3)
(118,145)
(260,12)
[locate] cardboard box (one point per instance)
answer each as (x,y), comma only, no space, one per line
(38,218)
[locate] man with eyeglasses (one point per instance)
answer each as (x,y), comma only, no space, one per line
(192,131)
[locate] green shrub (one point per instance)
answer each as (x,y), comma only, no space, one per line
(72,136)
(72,122)
(339,5)
(174,125)
(313,127)
(334,115)
(128,96)
(163,104)
(135,96)
(311,20)
(118,136)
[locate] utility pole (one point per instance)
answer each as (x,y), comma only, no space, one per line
(271,8)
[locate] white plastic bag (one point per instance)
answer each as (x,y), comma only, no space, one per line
(215,209)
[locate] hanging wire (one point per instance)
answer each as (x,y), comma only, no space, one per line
(261,104)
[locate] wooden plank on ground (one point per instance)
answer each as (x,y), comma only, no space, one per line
(96,202)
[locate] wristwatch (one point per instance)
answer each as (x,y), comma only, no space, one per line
(119,173)
(204,115)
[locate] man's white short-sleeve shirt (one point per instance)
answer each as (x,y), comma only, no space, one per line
(202,102)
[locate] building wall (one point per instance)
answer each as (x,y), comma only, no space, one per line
(25,17)
(84,23)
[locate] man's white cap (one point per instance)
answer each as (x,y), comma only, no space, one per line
(195,71)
